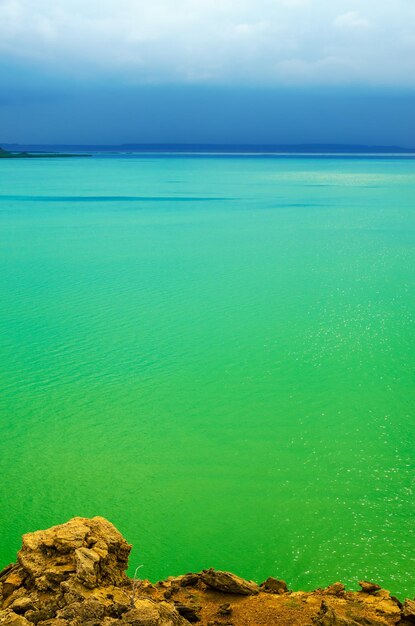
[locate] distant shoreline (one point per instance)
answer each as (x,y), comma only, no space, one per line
(5,154)
(213,149)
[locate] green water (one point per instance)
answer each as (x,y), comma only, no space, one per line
(218,355)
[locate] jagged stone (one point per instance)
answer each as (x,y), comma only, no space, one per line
(368,587)
(10,618)
(92,550)
(6,571)
(87,561)
(228,583)
(150,613)
(336,589)
(188,580)
(92,609)
(327,616)
(274,585)
(224,610)
(381,602)
(13,580)
(40,615)
(408,610)
(23,604)
(191,612)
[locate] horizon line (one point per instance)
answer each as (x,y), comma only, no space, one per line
(187,146)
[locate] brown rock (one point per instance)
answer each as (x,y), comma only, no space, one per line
(40,615)
(71,611)
(150,613)
(91,550)
(225,609)
(6,571)
(274,585)
(13,580)
(191,612)
(92,609)
(10,618)
(87,561)
(116,608)
(327,616)
(228,583)
(368,587)
(408,610)
(336,589)
(189,580)
(21,605)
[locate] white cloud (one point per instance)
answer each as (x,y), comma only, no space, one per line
(351,19)
(239,41)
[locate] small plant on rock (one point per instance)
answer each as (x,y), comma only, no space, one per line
(132,594)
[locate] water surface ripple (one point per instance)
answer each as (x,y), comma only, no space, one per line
(226,373)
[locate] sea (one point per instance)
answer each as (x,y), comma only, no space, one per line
(216,352)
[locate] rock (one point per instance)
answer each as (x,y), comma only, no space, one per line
(408,610)
(274,585)
(116,609)
(10,618)
(40,615)
(92,550)
(336,589)
(368,587)
(189,580)
(13,580)
(150,613)
(327,616)
(87,561)
(191,612)
(381,602)
(92,609)
(21,605)
(397,601)
(71,611)
(6,571)
(228,583)
(225,609)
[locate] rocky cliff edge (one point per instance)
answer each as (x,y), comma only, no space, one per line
(74,574)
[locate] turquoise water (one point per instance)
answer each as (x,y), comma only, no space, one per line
(218,355)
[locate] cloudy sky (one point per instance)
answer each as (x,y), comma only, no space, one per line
(207,70)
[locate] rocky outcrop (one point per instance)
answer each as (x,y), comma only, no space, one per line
(74,575)
(89,551)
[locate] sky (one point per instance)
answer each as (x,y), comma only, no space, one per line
(207,71)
